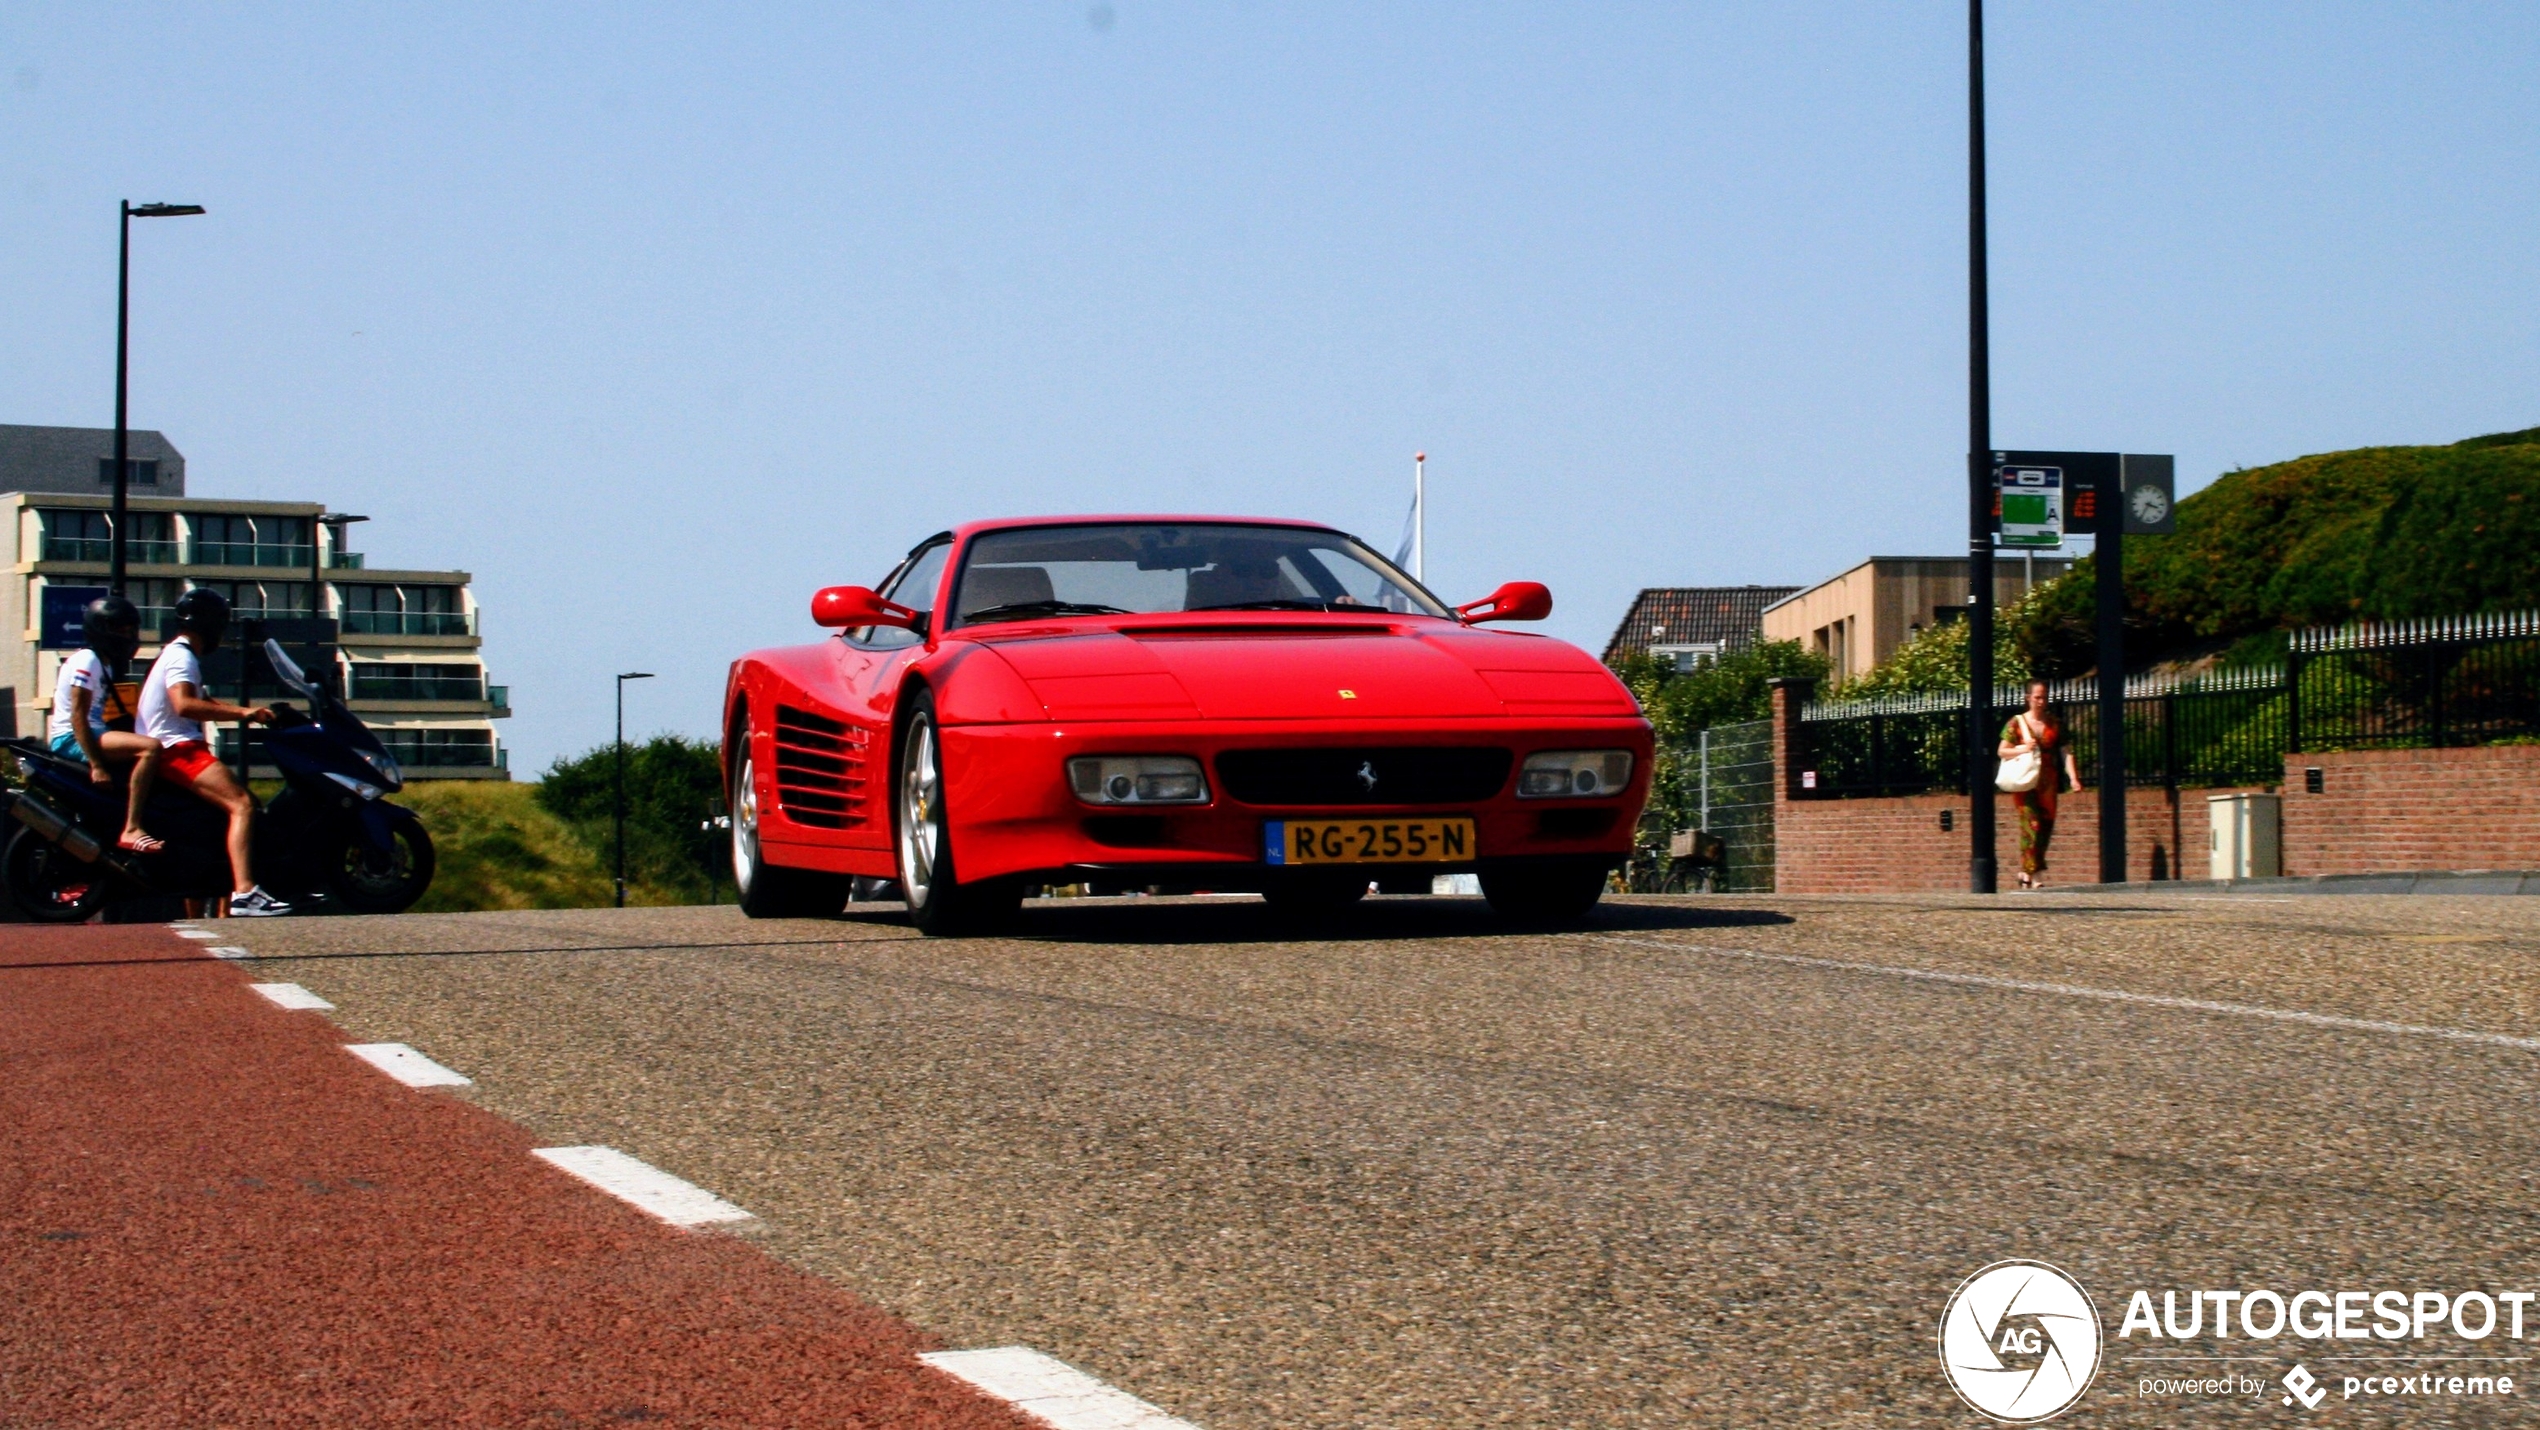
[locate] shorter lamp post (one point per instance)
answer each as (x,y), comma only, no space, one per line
(621,777)
(123,367)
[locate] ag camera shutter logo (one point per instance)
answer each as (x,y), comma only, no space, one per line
(2020,1342)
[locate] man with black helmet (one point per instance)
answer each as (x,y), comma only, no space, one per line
(85,702)
(173,709)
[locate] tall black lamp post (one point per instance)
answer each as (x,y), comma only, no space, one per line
(123,350)
(1980,734)
(621,778)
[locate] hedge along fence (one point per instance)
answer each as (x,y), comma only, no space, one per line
(2465,680)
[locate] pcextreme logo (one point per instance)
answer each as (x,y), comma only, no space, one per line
(2020,1342)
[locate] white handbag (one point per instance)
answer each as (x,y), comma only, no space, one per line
(2019,773)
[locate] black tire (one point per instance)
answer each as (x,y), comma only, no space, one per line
(939,903)
(772,891)
(360,880)
(1318,896)
(49,886)
(1543,895)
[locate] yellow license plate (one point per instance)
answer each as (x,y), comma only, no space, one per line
(1368,841)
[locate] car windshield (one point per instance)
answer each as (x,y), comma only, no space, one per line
(1148,568)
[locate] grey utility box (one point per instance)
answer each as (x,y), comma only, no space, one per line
(2247,833)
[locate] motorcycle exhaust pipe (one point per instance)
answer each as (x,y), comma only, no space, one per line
(51,824)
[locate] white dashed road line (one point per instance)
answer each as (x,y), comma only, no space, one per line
(642,1185)
(183,932)
(228,951)
(405,1065)
(292,996)
(1052,1390)
(2110,995)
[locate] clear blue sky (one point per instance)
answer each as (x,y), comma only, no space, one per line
(657,319)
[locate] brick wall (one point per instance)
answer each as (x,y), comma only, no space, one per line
(2413,810)
(2378,811)
(1829,846)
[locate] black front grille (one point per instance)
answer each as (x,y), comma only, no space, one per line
(1397,775)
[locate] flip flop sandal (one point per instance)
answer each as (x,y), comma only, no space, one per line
(141,843)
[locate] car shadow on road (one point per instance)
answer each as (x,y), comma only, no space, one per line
(1248,920)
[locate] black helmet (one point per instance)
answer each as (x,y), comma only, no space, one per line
(203,612)
(111,626)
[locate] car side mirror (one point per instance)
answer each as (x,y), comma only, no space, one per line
(1516,601)
(850,606)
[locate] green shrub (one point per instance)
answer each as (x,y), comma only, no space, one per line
(674,785)
(2382,533)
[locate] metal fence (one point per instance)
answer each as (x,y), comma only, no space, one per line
(2459,681)
(1729,789)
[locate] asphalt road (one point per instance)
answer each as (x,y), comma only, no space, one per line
(1707,1162)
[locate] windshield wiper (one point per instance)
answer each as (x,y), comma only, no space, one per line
(1026,610)
(1287,604)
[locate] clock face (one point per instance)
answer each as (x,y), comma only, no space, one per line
(2151,505)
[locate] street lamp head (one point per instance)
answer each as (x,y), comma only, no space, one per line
(163,210)
(636,675)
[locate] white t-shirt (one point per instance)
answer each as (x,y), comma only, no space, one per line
(81,670)
(158,718)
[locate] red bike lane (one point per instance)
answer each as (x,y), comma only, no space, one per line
(212,1215)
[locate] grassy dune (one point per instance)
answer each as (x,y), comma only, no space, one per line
(499,849)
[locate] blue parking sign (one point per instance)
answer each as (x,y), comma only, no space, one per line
(65,612)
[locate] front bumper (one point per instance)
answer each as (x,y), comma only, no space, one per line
(1013,813)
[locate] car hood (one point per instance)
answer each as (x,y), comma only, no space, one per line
(1306,671)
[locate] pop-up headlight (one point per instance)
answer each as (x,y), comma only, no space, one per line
(1138,779)
(1574,774)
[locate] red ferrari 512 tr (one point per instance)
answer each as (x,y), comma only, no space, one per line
(1187,702)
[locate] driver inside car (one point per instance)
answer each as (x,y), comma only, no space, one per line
(173,709)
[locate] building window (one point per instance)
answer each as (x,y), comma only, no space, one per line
(226,540)
(156,596)
(1690,655)
(381,681)
(137,473)
(384,610)
(263,600)
(73,535)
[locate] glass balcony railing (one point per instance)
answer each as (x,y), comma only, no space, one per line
(410,623)
(344,560)
(101,550)
(499,696)
(369,686)
(425,749)
(78,548)
(243,553)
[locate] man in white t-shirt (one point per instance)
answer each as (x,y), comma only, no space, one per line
(81,696)
(173,709)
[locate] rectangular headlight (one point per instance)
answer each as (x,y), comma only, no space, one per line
(1138,779)
(1574,774)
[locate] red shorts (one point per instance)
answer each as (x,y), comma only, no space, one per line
(186,761)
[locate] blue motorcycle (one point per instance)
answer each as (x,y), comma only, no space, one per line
(329,839)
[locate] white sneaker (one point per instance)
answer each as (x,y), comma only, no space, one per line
(256,904)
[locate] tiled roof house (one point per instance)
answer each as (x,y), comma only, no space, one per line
(1688,622)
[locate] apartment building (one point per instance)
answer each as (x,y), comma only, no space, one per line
(402,647)
(1858,619)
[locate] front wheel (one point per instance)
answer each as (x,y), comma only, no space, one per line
(938,902)
(364,880)
(1543,894)
(48,885)
(770,891)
